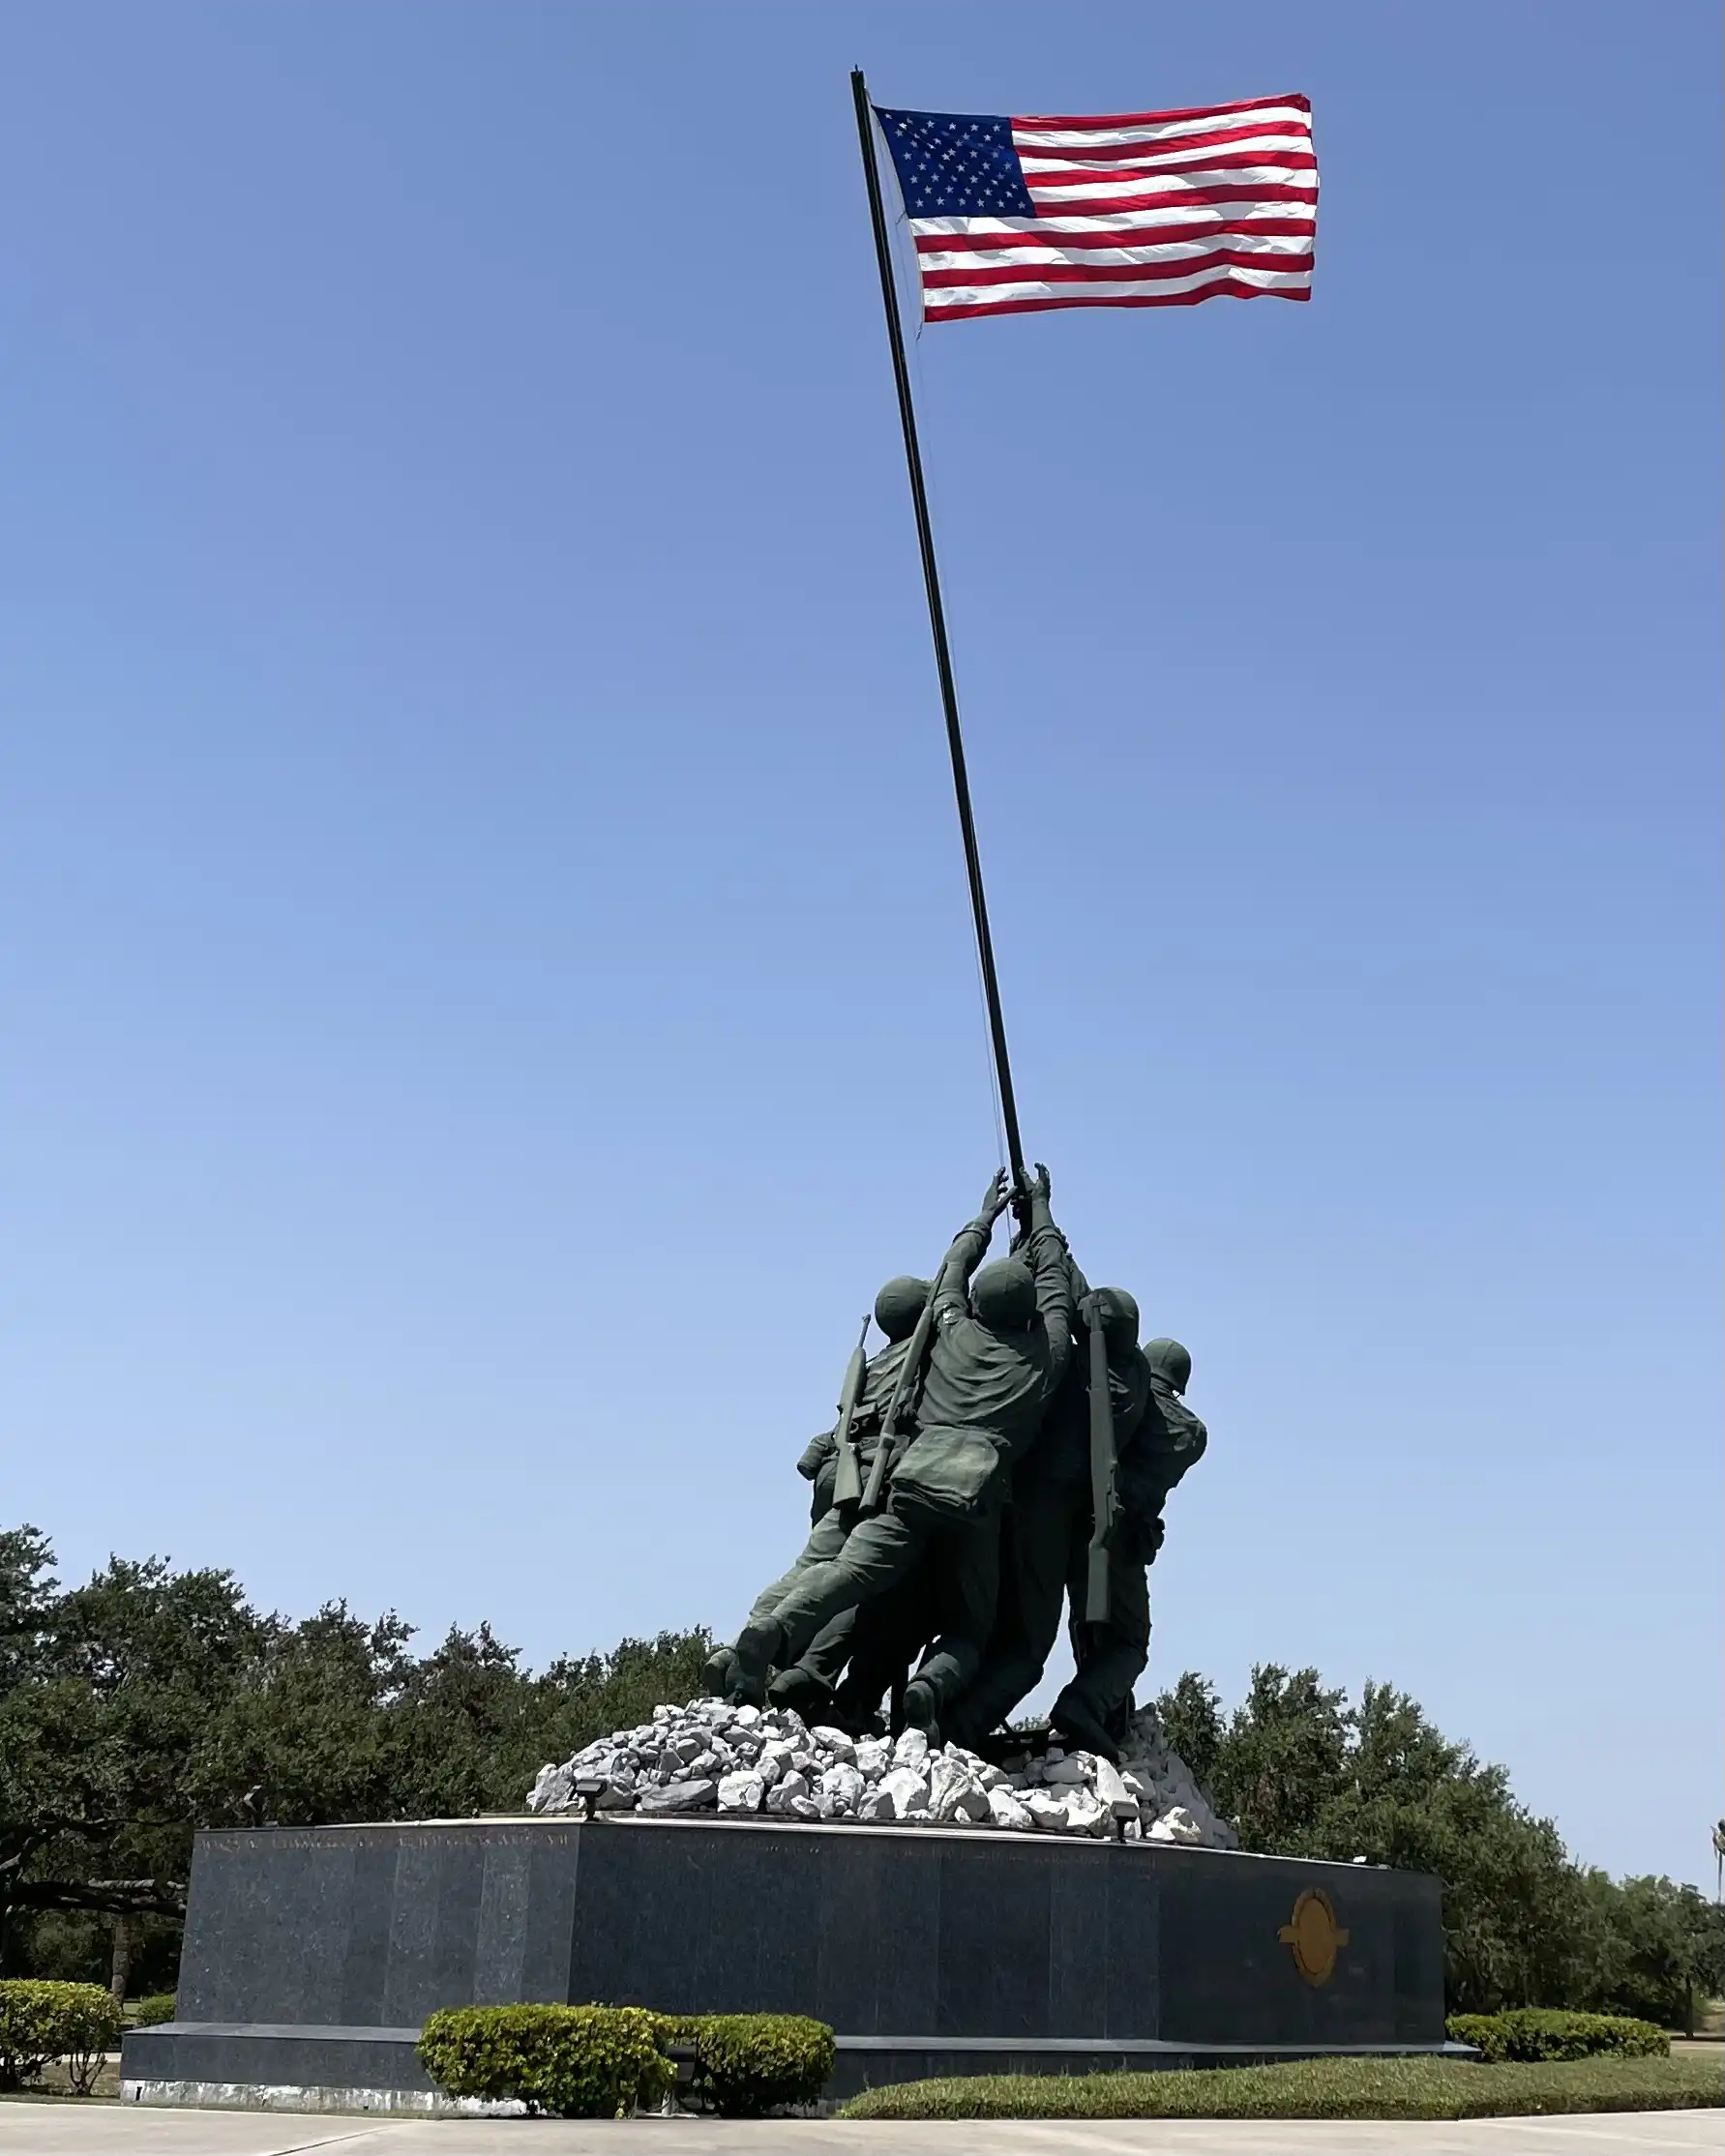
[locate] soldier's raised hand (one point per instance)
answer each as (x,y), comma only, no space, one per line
(994,1197)
(1038,1184)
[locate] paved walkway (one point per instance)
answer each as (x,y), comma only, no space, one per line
(140,2130)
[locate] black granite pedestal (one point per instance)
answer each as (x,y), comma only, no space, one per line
(312,1956)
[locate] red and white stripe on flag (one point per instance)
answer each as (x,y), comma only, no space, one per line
(1133,209)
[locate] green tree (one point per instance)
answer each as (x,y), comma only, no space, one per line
(1191,1716)
(27,1597)
(1657,1949)
(1283,1761)
(150,1702)
(76,1743)
(59,1782)
(308,1723)
(161,1657)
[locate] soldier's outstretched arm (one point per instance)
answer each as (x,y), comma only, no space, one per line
(1055,1301)
(969,1244)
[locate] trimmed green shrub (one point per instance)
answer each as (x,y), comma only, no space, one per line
(42,2020)
(603,2061)
(1529,2035)
(27,2029)
(570,2061)
(90,2027)
(153,2007)
(749,2064)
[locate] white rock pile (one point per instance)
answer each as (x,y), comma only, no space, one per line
(711,1756)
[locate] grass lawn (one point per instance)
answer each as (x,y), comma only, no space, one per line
(1315,2088)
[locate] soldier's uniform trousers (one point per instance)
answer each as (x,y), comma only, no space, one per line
(1111,1657)
(878,1640)
(882,1639)
(880,1553)
(826,1538)
(1043,1527)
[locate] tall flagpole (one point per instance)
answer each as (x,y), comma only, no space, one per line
(931,577)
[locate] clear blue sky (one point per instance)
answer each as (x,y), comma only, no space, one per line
(485,976)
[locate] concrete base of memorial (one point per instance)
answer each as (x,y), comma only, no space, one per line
(312,1956)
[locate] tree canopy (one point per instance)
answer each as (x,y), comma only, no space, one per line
(150,1702)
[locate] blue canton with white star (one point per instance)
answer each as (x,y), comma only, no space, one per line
(956,164)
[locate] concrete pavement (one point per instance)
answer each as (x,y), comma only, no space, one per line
(139,2130)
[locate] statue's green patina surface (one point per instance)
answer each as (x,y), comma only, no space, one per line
(970,1488)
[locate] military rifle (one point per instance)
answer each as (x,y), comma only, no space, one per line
(847,1475)
(909,1373)
(1104,1497)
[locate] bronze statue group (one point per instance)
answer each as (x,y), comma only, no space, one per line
(1010,1448)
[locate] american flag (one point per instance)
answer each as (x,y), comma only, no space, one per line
(1125,208)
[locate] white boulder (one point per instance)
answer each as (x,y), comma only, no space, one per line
(1047,1809)
(1007,1809)
(843,1784)
(953,1791)
(1111,1791)
(680,1796)
(910,1748)
(1085,1813)
(909,1791)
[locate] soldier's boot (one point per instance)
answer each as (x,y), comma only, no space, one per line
(717,1673)
(922,1710)
(1118,1719)
(801,1689)
(1074,1717)
(757,1643)
(856,1705)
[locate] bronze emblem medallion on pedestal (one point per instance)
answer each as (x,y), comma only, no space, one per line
(1314,1935)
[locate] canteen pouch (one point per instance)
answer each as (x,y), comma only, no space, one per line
(957,1474)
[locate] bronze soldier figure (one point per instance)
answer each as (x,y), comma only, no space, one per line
(1000,1344)
(1047,1531)
(897,1308)
(1095,1707)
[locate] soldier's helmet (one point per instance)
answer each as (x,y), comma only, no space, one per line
(1169,1361)
(1120,1319)
(898,1305)
(1003,1295)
